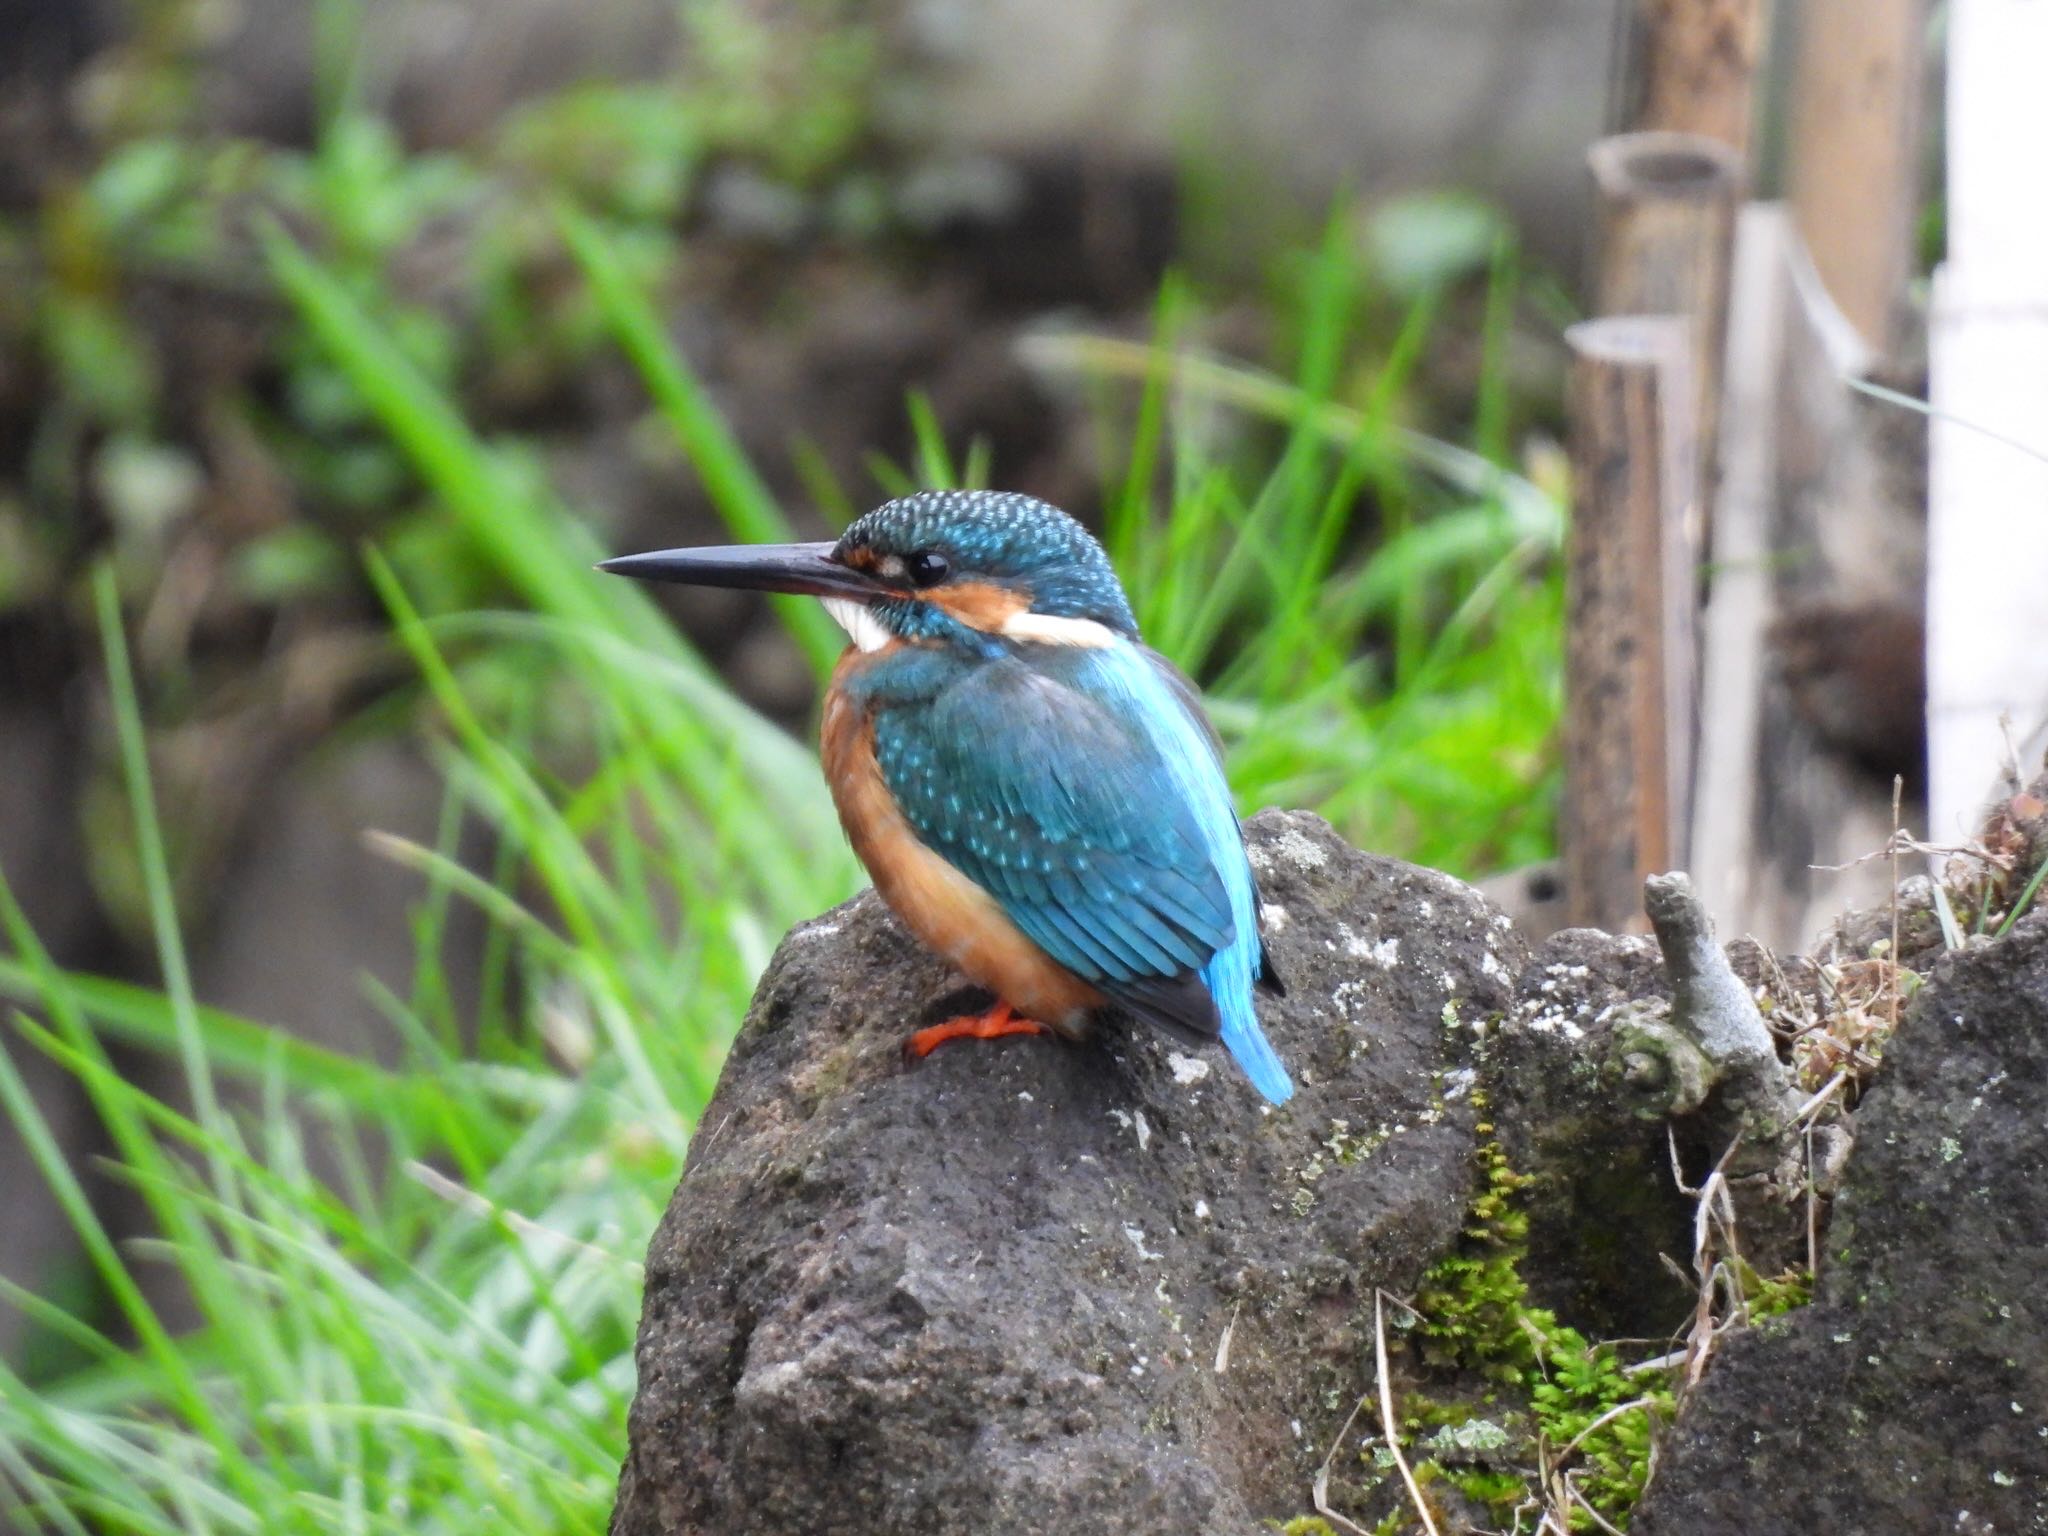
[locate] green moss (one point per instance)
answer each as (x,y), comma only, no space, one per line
(1579,1385)
(1476,1316)
(1775,1295)
(1498,1492)
(1472,1300)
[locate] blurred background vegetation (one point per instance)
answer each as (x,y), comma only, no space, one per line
(379,887)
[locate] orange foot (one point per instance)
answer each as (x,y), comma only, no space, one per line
(998,1021)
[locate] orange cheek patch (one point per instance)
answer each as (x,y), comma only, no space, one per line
(980,604)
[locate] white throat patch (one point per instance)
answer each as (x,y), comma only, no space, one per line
(861,626)
(1050,629)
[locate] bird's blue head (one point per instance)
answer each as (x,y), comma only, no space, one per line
(971,568)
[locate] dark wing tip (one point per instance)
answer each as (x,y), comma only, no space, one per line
(1182,1005)
(1269,975)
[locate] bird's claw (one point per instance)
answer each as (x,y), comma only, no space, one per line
(998,1021)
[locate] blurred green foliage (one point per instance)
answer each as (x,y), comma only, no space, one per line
(441,1339)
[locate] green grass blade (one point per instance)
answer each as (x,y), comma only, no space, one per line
(149,842)
(1247,389)
(137,1015)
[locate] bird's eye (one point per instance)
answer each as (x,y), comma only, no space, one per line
(927,567)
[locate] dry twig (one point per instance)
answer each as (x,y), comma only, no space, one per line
(1387,1424)
(1319,1492)
(1715,1254)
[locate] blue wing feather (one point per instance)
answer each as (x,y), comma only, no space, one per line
(1083,792)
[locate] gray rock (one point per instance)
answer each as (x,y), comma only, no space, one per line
(1031,1285)
(992,1290)
(1912,1395)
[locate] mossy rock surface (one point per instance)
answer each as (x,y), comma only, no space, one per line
(1912,1395)
(990,1291)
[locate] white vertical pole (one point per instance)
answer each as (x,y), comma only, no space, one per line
(1988,359)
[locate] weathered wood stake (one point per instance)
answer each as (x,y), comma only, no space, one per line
(1854,173)
(1629,645)
(1699,66)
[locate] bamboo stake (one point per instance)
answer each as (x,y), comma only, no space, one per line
(1630,615)
(1855,158)
(1667,204)
(1699,66)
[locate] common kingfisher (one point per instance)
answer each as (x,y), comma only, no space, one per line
(1037,795)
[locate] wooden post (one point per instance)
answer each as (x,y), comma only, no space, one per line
(1699,65)
(1667,205)
(1630,607)
(1854,174)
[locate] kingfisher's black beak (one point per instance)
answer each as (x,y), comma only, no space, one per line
(807,569)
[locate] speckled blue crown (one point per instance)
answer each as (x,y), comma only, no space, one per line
(1009,540)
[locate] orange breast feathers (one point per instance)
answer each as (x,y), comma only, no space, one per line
(950,915)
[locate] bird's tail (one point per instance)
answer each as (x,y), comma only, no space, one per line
(1254,1052)
(1246,1040)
